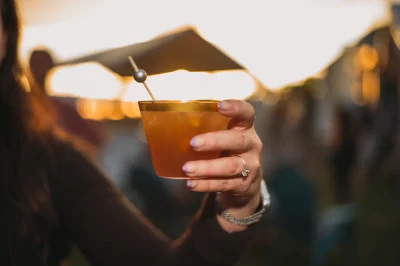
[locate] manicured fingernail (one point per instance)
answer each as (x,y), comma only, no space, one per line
(192,184)
(223,105)
(189,168)
(197,142)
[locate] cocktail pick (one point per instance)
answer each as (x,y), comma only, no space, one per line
(140,76)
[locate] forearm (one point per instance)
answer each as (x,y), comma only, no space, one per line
(209,242)
(110,231)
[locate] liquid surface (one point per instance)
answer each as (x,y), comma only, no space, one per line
(169,134)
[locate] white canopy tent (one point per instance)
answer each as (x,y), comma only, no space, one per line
(279,42)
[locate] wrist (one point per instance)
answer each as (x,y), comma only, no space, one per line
(237,213)
(239,207)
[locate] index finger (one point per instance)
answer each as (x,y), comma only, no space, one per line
(241,112)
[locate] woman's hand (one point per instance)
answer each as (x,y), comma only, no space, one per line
(240,195)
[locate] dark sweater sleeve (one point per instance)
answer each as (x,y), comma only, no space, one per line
(111,231)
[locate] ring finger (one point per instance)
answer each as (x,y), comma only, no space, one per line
(231,166)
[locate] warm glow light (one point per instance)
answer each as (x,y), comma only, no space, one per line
(371,88)
(130,109)
(293,41)
(367,57)
(184,85)
(101,94)
(279,42)
(91,81)
(88,80)
(87,109)
(103,109)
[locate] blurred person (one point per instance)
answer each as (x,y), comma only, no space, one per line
(366,142)
(52,193)
(343,156)
(295,176)
(336,225)
(378,219)
(67,117)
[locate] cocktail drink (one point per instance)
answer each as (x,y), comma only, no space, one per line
(169,128)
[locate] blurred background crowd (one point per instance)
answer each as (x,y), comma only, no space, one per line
(322,75)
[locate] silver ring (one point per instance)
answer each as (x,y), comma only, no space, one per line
(245,172)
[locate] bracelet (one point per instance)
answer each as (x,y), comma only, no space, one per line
(249,220)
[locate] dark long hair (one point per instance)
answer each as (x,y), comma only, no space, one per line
(24,158)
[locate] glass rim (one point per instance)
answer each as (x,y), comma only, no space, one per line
(179,106)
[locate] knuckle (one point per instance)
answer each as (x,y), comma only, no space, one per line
(207,169)
(256,169)
(248,182)
(246,186)
(259,145)
(224,185)
(257,164)
(200,168)
(233,167)
(256,142)
(242,141)
(210,140)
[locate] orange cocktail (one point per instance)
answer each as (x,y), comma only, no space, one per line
(169,127)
